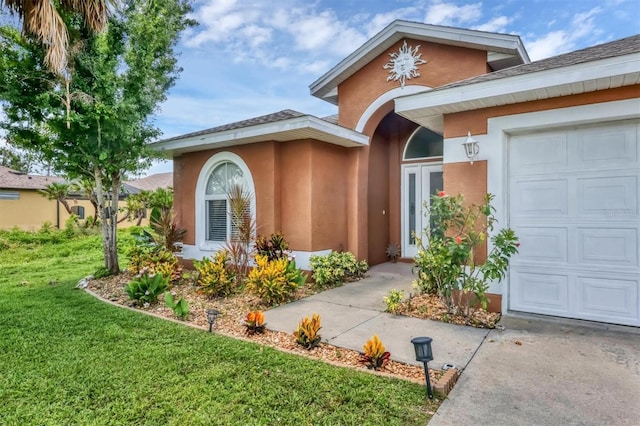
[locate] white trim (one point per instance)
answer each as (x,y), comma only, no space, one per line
(202,245)
(494,145)
(384,98)
(573,79)
(303,127)
(302,258)
(397,30)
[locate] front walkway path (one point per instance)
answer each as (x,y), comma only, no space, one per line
(351,314)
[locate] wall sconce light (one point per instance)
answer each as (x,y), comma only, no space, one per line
(471,147)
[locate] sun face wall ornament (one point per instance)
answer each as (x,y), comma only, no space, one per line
(403,64)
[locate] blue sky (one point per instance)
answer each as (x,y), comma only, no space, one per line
(253,57)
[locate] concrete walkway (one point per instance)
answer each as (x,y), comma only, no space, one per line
(351,314)
(535,372)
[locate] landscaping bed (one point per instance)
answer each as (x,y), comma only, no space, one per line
(230,322)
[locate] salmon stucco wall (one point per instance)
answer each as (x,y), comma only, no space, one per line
(445,64)
(475,121)
(329,197)
(260,159)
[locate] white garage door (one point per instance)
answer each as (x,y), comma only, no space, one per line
(573,202)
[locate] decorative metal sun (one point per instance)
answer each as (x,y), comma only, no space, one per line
(403,65)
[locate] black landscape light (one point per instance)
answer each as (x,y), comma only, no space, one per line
(424,354)
(212,314)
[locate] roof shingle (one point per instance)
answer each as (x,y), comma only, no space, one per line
(11,179)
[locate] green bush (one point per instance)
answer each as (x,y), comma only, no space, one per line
(101,272)
(274,281)
(393,300)
(336,268)
(156,260)
(215,277)
(179,308)
(147,287)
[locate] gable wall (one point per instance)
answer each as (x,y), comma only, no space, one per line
(445,64)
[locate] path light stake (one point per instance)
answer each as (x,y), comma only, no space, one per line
(211,317)
(424,354)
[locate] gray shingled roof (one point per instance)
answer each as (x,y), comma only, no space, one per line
(11,179)
(269,118)
(625,46)
(152,182)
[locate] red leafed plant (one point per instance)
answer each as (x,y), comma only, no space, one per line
(375,356)
(254,323)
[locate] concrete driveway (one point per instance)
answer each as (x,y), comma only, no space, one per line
(559,374)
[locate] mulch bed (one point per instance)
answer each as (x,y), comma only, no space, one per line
(230,322)
(427,306)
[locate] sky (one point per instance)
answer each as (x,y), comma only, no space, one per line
(248,58)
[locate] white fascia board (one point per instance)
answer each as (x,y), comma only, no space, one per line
(265,132)
(458,98)
(397,30)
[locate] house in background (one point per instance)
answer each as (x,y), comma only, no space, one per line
(556,142)
(22,205)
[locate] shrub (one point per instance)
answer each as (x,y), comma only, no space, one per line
(274,247)
(274,281)
(336,268)
(254,323)
(156,260)
(179,308)
(446,261)
(147,287)
(307,333)
(101,272)
(393,300)
(215,277)
(375,356)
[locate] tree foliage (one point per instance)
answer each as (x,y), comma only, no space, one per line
(96,122)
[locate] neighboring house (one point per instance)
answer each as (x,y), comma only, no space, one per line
(22,206)
(149,183)
(557,144)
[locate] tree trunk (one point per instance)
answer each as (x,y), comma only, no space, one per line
(107,223)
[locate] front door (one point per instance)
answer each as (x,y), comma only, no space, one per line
(419,182)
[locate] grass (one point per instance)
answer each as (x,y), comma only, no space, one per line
(67,358)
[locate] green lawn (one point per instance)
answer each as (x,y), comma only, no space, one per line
(67,358)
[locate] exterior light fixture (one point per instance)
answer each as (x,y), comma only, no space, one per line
(424,354)
(471,147)
(212,314)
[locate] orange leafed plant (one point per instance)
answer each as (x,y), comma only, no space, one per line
(254,322)
(375,356)
(307,333)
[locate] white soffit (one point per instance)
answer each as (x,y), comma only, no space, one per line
(564,81)
(509,50)
(297,128)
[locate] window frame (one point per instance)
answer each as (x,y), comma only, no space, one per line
(410,139)
(201,198)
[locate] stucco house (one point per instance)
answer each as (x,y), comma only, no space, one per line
(556,142)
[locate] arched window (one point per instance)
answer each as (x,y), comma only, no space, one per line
(220,173)
(424,143)
(223,177)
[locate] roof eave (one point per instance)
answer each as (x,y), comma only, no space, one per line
(396,31)
(304,127)
(603,74)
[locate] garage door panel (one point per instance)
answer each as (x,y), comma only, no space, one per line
(539,197)
(608,297)
(575,210)
(543,244)
(607,148)
(544,293)
(609,246)
(601,195)
(526,153)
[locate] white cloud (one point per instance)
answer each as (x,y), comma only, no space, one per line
(582,27)
(496,25)
(441,13)
(381,20)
